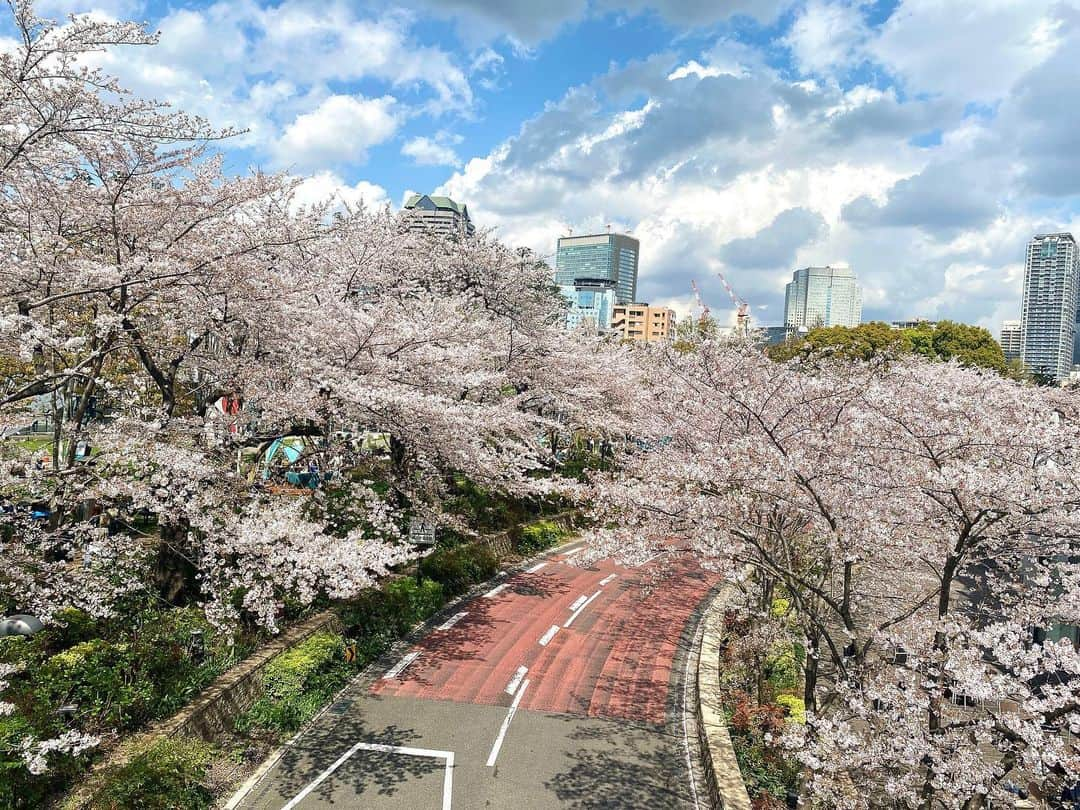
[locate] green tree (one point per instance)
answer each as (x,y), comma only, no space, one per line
(944,341)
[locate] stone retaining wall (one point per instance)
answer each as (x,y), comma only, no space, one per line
(235,691)
(721,768)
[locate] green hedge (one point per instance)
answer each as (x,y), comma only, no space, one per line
(539,536)
(168,774)
(460,567)
(298,682)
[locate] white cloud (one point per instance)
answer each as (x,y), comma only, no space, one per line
(328,187)
(972,49)
(426,151)
(825,35)
(339,130)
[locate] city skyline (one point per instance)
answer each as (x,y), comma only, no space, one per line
(747,138)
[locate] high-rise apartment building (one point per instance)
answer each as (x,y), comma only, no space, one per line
(643,323)
(599,257)
(1010,339)
(439,215)
(591,301)
(823,296)
(1049,310)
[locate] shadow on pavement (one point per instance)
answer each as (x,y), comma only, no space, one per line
(378,773)
(622,766)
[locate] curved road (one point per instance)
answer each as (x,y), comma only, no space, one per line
(559,688)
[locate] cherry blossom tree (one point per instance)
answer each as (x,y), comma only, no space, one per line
(921,519)
(143,285)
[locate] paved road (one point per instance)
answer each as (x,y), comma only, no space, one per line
(559,688)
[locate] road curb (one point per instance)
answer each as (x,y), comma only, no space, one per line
(722,776)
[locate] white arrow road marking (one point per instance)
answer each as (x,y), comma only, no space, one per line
(457,617)
(515,682)
(549,635)
(578,602)
(505,725)
(580,608)
(448,778)
(400,666)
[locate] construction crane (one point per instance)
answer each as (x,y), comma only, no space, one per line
(742,308)
(697,297)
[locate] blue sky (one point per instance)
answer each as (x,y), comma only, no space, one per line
(922,142)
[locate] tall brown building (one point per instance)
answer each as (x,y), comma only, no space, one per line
(642,322)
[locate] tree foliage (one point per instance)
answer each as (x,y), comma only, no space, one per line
(944,341)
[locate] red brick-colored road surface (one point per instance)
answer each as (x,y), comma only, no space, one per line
(613,661)
(562,687)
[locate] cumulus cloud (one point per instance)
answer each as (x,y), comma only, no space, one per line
(776,244)
(339,130)
(327,187)
(943,198)
(426,151)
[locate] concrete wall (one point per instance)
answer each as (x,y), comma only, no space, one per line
(721,768)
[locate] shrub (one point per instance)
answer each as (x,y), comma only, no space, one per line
(538,536)
(167,774)
(298,682)
(459,568)
(796,708)
(782,667)
(412,602)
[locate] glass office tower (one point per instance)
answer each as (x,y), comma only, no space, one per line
(599,257)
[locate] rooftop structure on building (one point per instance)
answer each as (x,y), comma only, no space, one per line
(1048,314)
(643,323)
(823,296)
(599,257)
(441,215)
(918,323)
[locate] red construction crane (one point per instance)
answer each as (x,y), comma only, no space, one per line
(697,297)
(743,308)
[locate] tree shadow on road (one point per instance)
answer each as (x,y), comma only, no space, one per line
(365,772)
(623,766)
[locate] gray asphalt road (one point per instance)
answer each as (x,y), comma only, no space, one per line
(380,747)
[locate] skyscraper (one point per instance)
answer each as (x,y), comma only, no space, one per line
(823,296)
(1049,311)
(599,257)
(1010,339)
(439,215)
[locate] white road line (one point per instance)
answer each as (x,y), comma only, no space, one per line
(580,608)
(505,725)
(653,557)
(569,554)
(457,617)
(399,667)
(535,568)
(549,635)
(496,591)
(608,579)
(578,602)
(515,682)
(448,778)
